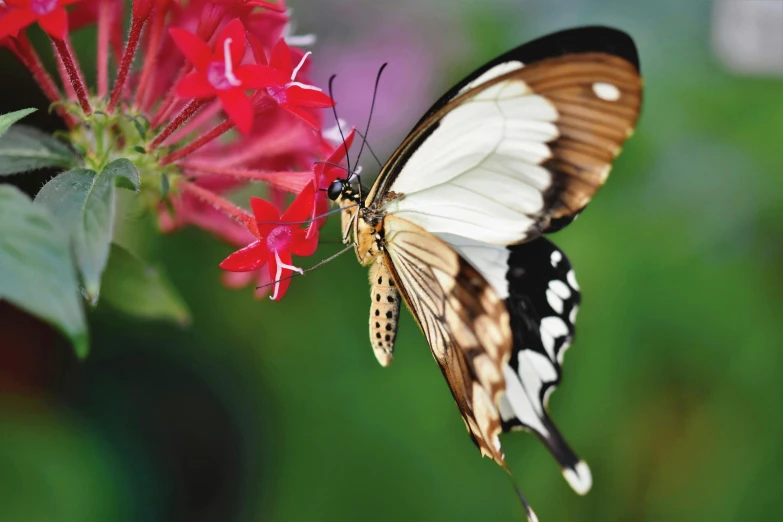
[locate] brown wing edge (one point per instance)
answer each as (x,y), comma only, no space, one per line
(592,130)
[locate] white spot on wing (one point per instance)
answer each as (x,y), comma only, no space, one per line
(571,278)
(572,315)
(495,72)
(606,91)
(555,257)
(580,478)
(543,367)
(548,341)
(520,401)
(554,326)
(554,301)
(560,288)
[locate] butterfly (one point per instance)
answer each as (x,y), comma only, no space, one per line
(455,226)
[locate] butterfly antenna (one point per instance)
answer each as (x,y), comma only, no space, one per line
(364,141)
(337,121)
(320,263)
(332,164)
(372,107)
(309,220)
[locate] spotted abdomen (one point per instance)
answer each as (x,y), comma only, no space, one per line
(384,312)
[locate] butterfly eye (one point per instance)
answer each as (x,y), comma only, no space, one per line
(353,179)
(335,189)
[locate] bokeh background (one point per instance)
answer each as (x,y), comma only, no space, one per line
(263,411)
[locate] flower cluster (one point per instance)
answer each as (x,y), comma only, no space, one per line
(209,96)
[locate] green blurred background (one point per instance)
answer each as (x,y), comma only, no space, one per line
(279,411)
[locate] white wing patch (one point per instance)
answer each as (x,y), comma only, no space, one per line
(490,260)
(492,73)
(479,174)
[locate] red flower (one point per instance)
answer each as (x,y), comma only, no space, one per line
(50,15)
(290,94)
(219,73)
(276,242)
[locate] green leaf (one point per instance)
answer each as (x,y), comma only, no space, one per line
(6,120)
(139,128)
(23,149)
(124,173)
(36,269)
(84,203)
(140,290)
(165,185)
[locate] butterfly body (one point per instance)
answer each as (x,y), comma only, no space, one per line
(453,225)
(384,311)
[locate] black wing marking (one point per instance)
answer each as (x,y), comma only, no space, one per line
(542,304)
(589,39)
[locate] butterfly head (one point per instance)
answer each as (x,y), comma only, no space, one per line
(349,189)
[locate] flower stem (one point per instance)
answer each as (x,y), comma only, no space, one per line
(185,114)
(219,203)
(137,25)
(197,144)
(29,58)
(289,181)
(74,73)
(105,20)
(260,102)
(150,60)
(167,105)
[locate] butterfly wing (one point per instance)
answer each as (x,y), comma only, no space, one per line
(516,149)
(522,145)
(542,304)
(464,320)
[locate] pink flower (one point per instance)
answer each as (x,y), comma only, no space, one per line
(277,241)
(219,73)
(292,95)
(49,14)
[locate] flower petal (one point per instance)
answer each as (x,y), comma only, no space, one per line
(259,76)
(338,154)
(308,117)
(258,49)
(321,207)
(14,21)
(302,206)
(55,24)
(253,256)
(307,97)
(195,85)
(239,108)
(304,242)
(281,58)
(266,214)
(194,48)
(236,31)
